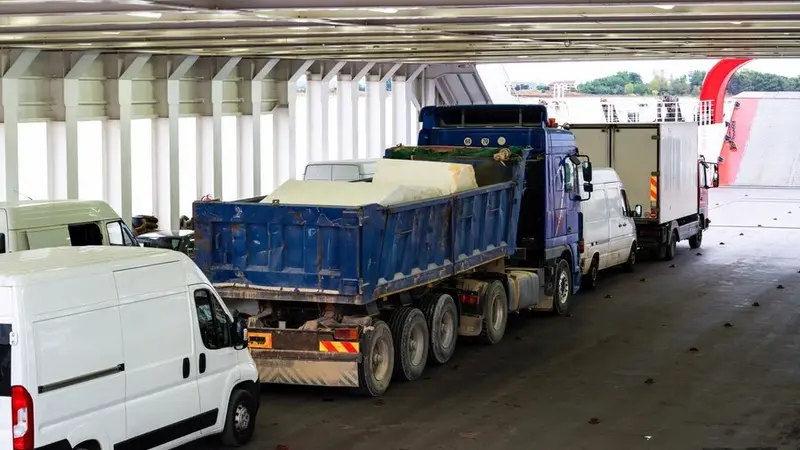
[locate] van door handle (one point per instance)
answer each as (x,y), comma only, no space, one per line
(620,225)
(186,367)
(202,362)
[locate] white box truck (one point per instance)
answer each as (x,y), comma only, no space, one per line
(661,169)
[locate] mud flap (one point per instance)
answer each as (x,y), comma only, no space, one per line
(289,369)
(470,325)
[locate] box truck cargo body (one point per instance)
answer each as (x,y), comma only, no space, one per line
(658,163)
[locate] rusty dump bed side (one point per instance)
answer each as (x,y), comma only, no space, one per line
(348,255)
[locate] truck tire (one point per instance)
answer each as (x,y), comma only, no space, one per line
(240,422)
(589,281)
(697,240)
(377,362)
(411,336)
(495,313)
(671,247)
(442,316)
(562,291)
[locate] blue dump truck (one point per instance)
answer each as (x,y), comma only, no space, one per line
(354,296)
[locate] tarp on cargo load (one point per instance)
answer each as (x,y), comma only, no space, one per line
(445,177)
(343,193)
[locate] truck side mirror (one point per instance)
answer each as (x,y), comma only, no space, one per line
(715,177)
(587,187)
(637,211)
(586,167)
(2,242)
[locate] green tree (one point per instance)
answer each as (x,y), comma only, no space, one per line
(630,89)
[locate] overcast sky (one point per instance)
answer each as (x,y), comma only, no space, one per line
(584,71)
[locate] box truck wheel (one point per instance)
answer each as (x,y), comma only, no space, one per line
(495,313)
(411,337)
(240,423)
(562,295)
(442,316)
(377,360)
(697,240)
(671,247)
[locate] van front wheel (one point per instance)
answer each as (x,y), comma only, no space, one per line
(240,422)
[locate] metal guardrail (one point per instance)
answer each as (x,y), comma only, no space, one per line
(601,110)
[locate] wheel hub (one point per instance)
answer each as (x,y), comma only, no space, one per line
(563,287)
(241,418)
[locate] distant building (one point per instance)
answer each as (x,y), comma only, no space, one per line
(562,88)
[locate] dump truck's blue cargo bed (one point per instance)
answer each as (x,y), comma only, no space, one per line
(349,255)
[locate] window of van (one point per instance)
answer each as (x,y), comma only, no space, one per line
(625,204)
(343,172)
(85,234)
(5,360)
(214,322)
(118,234)
(318,172)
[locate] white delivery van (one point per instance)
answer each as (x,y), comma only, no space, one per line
(27,225)
(607,227)
(107,348)
(345,170)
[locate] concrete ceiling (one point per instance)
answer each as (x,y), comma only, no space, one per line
(410,30)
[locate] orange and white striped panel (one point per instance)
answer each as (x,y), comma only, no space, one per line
(338,347)
(653,188)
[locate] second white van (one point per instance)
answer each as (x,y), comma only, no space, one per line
(27,225)
(607,226)
(107,348)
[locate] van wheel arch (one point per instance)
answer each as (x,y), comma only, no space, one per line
(88,445)
(250,386)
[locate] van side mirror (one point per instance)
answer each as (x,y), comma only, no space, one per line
(637,211)
(586,167)
(239,332)
(2,242)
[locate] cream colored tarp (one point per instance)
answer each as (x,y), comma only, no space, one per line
(445,177)
(344,193)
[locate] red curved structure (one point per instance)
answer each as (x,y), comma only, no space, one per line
(716,83)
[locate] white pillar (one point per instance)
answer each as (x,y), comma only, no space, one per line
(399,111)
(430,92)
(317,122)
(250,133)
(57,160)
(112,165)
(282,145)
(376,116)
(71,100)
(210,130)
(205,156)
(9,190)
(166,147)
(347,113)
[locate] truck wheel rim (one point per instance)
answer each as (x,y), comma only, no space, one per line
(446,329)
(380,360)
(563,287)
(497,313)
(416,345)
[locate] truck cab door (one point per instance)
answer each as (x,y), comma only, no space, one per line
(702,188)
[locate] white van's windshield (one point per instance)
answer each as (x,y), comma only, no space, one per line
(5,360)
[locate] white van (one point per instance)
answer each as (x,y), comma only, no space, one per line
(345,170)
(27,225)
(107,348)
(608,229)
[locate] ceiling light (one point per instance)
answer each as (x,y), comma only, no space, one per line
(667,7)
(146,14)
(9,38)
(298,28)
(85,44)
(111,32)
(384,10)
(736,23)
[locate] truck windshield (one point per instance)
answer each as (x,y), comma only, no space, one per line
(5,360)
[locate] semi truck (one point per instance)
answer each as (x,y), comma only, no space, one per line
(354,296)
(660,165)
